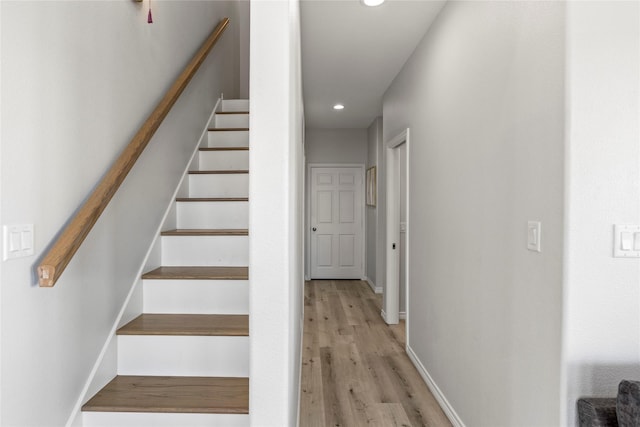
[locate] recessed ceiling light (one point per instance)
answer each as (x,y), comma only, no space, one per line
(372,3)
(338,107)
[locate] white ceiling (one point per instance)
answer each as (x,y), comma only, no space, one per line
(351,53)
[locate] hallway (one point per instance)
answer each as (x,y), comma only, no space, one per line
(355,371)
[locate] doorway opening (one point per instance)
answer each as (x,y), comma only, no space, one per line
(397,229)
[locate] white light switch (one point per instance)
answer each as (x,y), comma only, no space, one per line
(534,234)
(626,241)
(27,239)
(17,241)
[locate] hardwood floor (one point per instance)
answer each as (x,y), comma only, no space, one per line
(355,371)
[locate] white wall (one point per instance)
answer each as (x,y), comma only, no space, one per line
(602,296)
(374,145)
(276,253)
(297,226)
(1,212)
(483,95)
(336,145)
(243,23)
(78,79)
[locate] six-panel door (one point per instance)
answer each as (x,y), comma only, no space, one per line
(336,222)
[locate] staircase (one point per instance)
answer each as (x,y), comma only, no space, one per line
(185,360)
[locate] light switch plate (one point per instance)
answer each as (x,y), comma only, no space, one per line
(534,234)
(626,241)
(17,241)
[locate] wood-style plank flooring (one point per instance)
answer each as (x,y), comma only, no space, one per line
(355,371)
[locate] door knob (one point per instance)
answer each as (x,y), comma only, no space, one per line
(314,229)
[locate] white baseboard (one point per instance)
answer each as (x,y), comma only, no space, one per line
(402,315)
(374,288)
(435,390)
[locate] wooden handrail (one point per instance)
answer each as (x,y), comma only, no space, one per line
(61,252)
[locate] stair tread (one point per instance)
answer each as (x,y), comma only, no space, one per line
(187,324)
(224,149)
(219,172)
(228,129)
(198,273)
(232,112)
(206,232)
(212,199)
(212,395)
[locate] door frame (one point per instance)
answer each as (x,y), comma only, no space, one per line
(391,309)
(310,166)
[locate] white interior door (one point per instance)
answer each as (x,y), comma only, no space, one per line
(336,222)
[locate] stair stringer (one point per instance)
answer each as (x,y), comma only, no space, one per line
(105,367)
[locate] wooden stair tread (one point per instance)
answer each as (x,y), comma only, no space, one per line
(206,232)
(188,324)
(224,149)
(228,129)
(198,273)
(232,112)
(218,172)
(211,395)
(212,199)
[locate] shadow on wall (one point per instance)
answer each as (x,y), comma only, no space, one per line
(599,380)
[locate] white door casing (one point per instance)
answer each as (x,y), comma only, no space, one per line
(391,308)
(336,222)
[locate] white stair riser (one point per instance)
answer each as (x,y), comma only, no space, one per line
(228,138)
(197,356)
(232,121)
(155,419)
(224,160)
(205,251)
(213,214)
(196,296)
(219,185)
(235,105)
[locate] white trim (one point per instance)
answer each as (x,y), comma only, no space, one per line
(407,239)
(374,288)
(392,297)
(77,407)
(401,315)
(435,390)
(398,139)
(363,229)
(301,353)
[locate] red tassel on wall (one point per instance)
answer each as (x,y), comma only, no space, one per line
(149,17)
